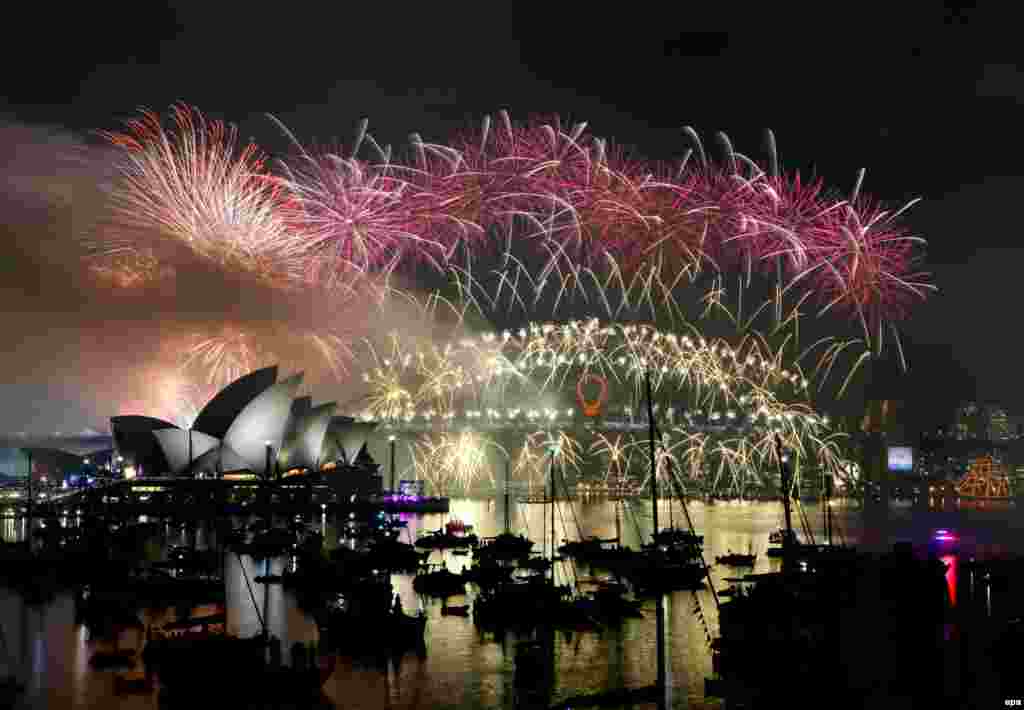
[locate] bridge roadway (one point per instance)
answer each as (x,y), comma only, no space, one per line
(529,425)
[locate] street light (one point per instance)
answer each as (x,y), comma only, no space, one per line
(391,440)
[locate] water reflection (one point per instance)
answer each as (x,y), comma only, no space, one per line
(952,562)
(464,668)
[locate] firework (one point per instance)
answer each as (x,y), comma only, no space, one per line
(519,216)
(456,460)
(722,404)
(191,188)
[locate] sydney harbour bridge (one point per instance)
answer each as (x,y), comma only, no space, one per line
(456,413)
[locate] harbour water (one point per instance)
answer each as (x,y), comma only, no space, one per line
(463,667)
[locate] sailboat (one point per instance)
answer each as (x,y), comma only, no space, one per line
(188,664)
(504,547)
(673,560)
(536,601)
(738,559)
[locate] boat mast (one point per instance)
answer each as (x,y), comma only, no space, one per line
(618,524)
(31,502)
(252,596)
(654,461)
(661,685)
(552,517)
(784,480)
(507,526)
(828,508)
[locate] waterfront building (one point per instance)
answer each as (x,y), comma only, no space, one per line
(254,426)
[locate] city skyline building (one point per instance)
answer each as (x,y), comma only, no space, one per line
(984,422)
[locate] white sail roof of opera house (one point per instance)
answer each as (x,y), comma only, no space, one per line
(221,412)
(234,429)
(304,445)
(263,422)
(175,445)
(345,436)
(220,459)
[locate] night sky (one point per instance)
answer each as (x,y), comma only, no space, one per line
(916,100)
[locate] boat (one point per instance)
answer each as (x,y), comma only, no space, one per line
(673,536)
(362,625)
(456,526)
(455,610)
(204,660)
(195,667)
(505,547)
(268,579)
(535,564)
(488,575)
(587,549)
(439,582)
(441,540)
(736,559)
(651,577)
(777,538)
(523,604)
(390,554)
(191,627)
(944,541)
(608,604)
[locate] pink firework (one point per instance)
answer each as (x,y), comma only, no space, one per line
(865,266)
(358,217)
(554,191)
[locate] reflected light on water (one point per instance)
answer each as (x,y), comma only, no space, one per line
(951,572)
(463,667)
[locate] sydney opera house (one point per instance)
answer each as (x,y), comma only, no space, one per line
(255,425)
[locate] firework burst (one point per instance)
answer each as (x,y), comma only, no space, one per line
(191,187)
(532,217)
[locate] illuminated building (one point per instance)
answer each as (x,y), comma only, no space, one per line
(970,422)
(255,425)
(999,426)
(47,464)
(986,478)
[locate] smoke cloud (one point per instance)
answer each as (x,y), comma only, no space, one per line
(75,336)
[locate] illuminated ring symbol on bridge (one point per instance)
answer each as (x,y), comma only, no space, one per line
(592,408)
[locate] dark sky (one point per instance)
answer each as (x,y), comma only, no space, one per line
(930,103)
